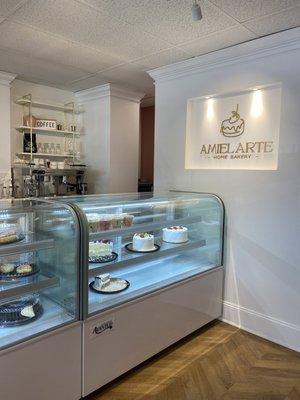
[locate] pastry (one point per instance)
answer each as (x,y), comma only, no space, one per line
(28,312)
(8,238)
(100,248)
(127,220)
(7,268)
(102,281)
(143,242)
(175,234)
(24,269)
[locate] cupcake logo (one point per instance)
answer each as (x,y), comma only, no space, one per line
(234,125)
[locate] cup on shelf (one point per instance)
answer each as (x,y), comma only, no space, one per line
(53,164)
(57,149)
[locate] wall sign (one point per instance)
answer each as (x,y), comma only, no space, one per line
(46,123)
(234,131)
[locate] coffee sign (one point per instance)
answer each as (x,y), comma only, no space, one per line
(239,131)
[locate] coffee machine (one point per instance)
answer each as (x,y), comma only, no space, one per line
(34,181)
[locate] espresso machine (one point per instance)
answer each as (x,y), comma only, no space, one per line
(34,181)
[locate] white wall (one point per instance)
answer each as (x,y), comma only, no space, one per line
(5,80)
(262,288)
(111,121)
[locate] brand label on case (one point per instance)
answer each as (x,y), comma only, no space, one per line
(102,327)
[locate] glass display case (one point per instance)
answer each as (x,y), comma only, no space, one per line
(39,268)
(135,244)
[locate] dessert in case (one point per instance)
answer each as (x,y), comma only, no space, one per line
(24,269)
(175,234)
(143,242)
(9,233)
(101,281)
(105,222)
(100,248)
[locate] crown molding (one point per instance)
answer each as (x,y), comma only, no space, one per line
(278,43)
(108,90)
(6,78)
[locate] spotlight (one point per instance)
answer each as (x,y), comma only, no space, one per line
(196,11)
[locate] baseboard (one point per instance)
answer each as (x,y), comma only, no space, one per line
(270,328)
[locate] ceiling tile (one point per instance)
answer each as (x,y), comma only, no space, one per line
(170,20)
(34,69)
(217,41)
(243,10)
(86,83)
(8,6)
(44,46)
(275,22)
(80,23)
(163,58)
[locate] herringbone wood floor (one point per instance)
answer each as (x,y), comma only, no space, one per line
(216,362)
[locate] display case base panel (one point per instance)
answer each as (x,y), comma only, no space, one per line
(121,338)
(53,316)
(45,368)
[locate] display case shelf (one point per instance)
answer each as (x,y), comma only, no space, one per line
(29,244)
(54,315)
(131,258)
(43,131)
(152,276)
(19,288)
(151,226)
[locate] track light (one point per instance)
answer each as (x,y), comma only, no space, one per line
(196,11)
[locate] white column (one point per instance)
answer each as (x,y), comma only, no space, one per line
(111,127)
(5,147)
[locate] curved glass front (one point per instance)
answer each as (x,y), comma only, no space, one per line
(142,242)
(39,261)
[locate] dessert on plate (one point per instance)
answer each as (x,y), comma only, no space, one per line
(175,234)
(143,242)
(100,248)
(9,233)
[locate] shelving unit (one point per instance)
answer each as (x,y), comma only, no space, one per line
(69,112)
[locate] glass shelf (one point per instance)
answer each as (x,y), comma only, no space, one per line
(148,277)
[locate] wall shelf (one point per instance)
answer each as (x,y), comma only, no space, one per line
(42,131)
(25,101)
(47,155)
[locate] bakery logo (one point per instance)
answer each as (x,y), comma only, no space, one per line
(102,327)
(234,125)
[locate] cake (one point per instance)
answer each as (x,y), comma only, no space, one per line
(7,268)
(143,242)
(234,125)
(105,222)
(175,234)
(24,269)
(102,281)
(100,248)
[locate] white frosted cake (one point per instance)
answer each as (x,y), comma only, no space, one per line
(175,234)
(143,242)
(100,248)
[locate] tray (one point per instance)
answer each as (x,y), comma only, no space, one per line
(13,275)
(130,248)
(114,280)
(104,259)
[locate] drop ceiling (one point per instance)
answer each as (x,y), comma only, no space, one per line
(78,44)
